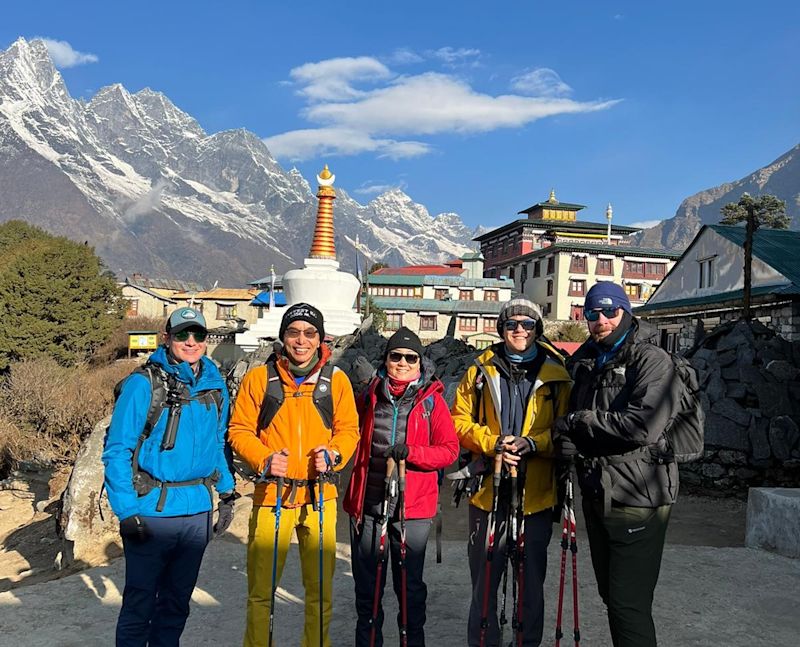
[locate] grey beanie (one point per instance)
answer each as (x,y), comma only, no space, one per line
(520,306)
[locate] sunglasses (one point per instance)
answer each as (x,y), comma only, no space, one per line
(594,315)
(512,324)
(308,333)
(183,335)
(411,358)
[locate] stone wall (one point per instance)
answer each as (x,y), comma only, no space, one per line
(750,378)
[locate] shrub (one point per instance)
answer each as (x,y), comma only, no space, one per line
(569,331)
(49,409)
(117,345)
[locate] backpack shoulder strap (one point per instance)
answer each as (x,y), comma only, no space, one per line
(273,396)
(323,394)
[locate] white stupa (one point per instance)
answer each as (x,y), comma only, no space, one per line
(319,283)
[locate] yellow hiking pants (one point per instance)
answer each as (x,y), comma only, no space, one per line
(303,520)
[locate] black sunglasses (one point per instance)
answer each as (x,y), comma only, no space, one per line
(183,335)
(594,315)
(411,358)
(527,324)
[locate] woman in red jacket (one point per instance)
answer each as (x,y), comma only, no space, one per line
(403,416)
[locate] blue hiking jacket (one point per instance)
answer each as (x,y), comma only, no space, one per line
(199,447)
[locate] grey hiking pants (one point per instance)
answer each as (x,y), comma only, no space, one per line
(538,528)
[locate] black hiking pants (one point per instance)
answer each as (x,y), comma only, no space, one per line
(626,551)
(364,549)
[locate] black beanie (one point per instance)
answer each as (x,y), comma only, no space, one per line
(303,312)
(404,338)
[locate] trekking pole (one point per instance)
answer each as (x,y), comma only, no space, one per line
(511,532)
(278,504)
(401,503)
(573,546)
(498,467)
(321,508)
(520,554)
(388,492)
(564,546)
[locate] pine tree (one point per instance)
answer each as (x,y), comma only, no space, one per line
(56,299)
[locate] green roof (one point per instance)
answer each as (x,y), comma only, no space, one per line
(778,248)
(435,305)
(438,279)
(734,296)
(558,206)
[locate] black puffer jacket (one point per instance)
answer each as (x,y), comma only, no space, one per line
(620,413)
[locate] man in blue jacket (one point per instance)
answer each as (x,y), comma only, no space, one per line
(164,451)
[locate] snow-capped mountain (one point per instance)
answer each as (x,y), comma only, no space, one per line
(140,180)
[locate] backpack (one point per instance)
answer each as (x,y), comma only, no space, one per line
(685,433)
(273,400)
(427,411)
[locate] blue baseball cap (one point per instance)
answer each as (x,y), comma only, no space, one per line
(184,318)
(606,294)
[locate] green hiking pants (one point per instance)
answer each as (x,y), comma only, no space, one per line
(626,551)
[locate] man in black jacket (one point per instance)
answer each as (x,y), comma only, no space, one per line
(625,394)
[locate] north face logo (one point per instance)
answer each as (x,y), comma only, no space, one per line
(606,302)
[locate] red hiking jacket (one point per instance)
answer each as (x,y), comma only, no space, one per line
(432,445)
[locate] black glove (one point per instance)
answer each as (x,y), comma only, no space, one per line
(565,449)
(134,529)
(561,427)
(520,446)
(398,452)
(225,513)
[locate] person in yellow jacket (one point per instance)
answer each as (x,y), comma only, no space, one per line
(293,447)
(505,405)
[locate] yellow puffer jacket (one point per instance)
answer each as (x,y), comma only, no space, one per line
(476,414)
(297,426)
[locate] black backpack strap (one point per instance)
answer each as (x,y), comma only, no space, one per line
(273,396)
(323,395)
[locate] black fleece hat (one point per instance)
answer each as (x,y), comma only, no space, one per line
(303,312)
(403,338)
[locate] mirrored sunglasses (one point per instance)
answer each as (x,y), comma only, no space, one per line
(183,335)
(594,315)
(411,358)
(512,324)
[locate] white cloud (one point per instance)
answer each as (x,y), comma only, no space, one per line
(299,145)
(331,80)
(646,224)
(64,55)
(361,106)
(405,56)
(542,82)
(375,189)
(461,56)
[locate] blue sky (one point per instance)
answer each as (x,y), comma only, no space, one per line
(474,107)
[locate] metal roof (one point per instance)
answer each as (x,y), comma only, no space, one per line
(719,298)
(438,279)
(263,299)
(156,295)
(554,225)
(435,305)
(778,248)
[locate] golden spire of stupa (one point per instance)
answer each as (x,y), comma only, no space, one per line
(322,246)
(552,198)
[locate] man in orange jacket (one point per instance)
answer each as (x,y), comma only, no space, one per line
(293,446)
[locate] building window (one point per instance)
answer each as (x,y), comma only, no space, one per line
(133,308)
(536,269)
(490,324)
(490,295)
(551,264)
(605,267)
(549,287)
(576,313)
(577,288)
(523,274)
(633,290)
(578,265)
(655,270)
(633,269)
(225,312)
(468,324)
(511,273)
(394,320)
(427,322)
(441,294)
(706,273)
(548,309)
(465,295)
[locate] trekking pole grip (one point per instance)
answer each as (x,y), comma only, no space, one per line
(401,474)
(390,465)
(498,468)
